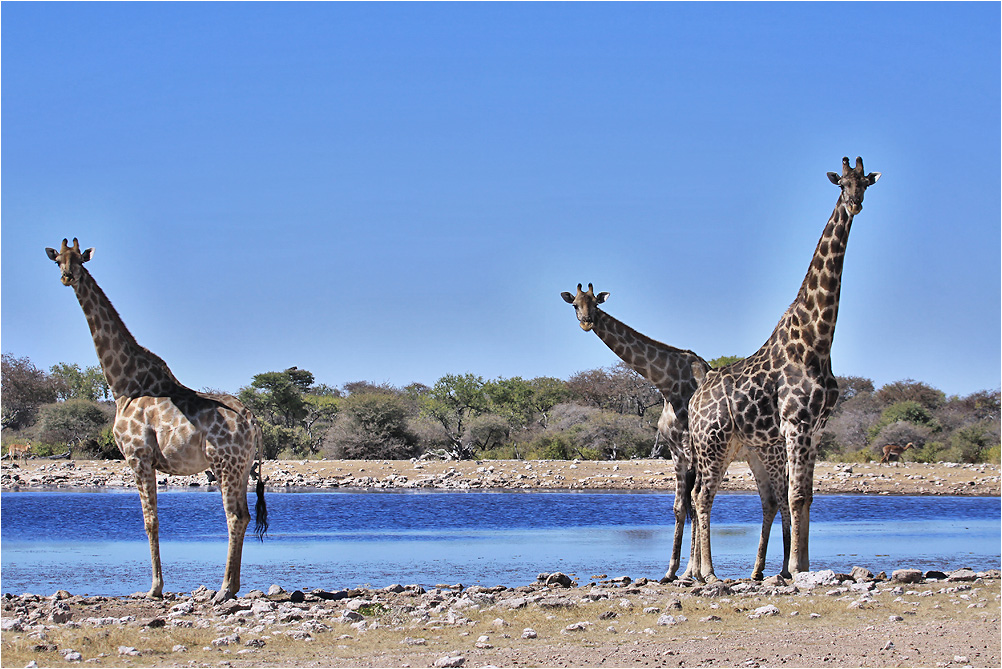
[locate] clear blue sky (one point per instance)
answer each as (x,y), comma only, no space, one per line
(396,192)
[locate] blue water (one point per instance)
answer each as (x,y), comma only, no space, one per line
(94,542)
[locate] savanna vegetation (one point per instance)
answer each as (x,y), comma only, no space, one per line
(607,413)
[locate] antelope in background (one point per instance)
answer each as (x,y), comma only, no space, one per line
(893,451)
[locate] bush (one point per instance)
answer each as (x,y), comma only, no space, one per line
(371,425)
(931,451)
(73,422)
(103,447)
(908,411)
(973,441)
(853,456)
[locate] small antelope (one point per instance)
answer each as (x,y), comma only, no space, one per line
(19,451)
(893,451)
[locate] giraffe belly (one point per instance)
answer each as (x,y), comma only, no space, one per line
(180,441)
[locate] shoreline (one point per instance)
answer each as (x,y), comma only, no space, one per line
(907,478)
(911,618)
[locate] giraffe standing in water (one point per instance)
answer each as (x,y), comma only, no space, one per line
(776,401)
(675,373)
(161,425)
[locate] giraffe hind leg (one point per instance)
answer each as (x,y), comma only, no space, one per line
(233,486)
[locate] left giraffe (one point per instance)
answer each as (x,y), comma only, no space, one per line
(161,425)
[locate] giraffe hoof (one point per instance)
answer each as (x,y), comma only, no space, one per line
(757,576)
(155,594)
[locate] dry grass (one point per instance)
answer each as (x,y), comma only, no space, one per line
(396,638)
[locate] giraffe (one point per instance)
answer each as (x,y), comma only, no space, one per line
(161,425)
(676,374)
(894,451)
(775,401)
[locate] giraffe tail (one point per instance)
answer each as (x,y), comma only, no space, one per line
(260,508)
(690,484)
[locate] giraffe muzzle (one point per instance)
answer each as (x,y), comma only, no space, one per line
(587,326)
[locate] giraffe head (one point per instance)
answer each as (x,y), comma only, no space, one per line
(585,305)
(853,183)
(70,260)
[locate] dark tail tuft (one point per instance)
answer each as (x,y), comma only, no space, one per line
(690,484)
(260,509)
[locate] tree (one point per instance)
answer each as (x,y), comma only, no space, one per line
(73,421)
(908,411)
(372,425)
(850,424)
(452,402)
(547,392)
(75,383)
(25,389)
(972,441)
(910,390)
(617,388)
(277,397)
(294,414)
(723,361)
(852,386)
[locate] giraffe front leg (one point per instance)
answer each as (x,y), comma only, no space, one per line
(801,458)
(146,482)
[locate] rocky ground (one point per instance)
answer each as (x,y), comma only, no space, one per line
(911,619)
(908,478)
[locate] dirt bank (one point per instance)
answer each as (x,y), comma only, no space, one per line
(910,478)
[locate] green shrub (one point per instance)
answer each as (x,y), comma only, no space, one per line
(908,411)
(853,456)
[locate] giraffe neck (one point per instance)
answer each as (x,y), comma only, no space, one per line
(810,321)
(651,359)
(130,369)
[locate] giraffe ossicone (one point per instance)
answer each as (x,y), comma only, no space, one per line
(162,425)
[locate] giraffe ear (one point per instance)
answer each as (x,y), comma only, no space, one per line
(833,178)
(51,253)
(872,177)
(87,255)
(698,371)
(601,297)
(568,298)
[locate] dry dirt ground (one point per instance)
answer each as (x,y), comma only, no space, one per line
(819,620)
(907,478)
(834,620)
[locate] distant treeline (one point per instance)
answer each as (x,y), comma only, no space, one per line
(608,413)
